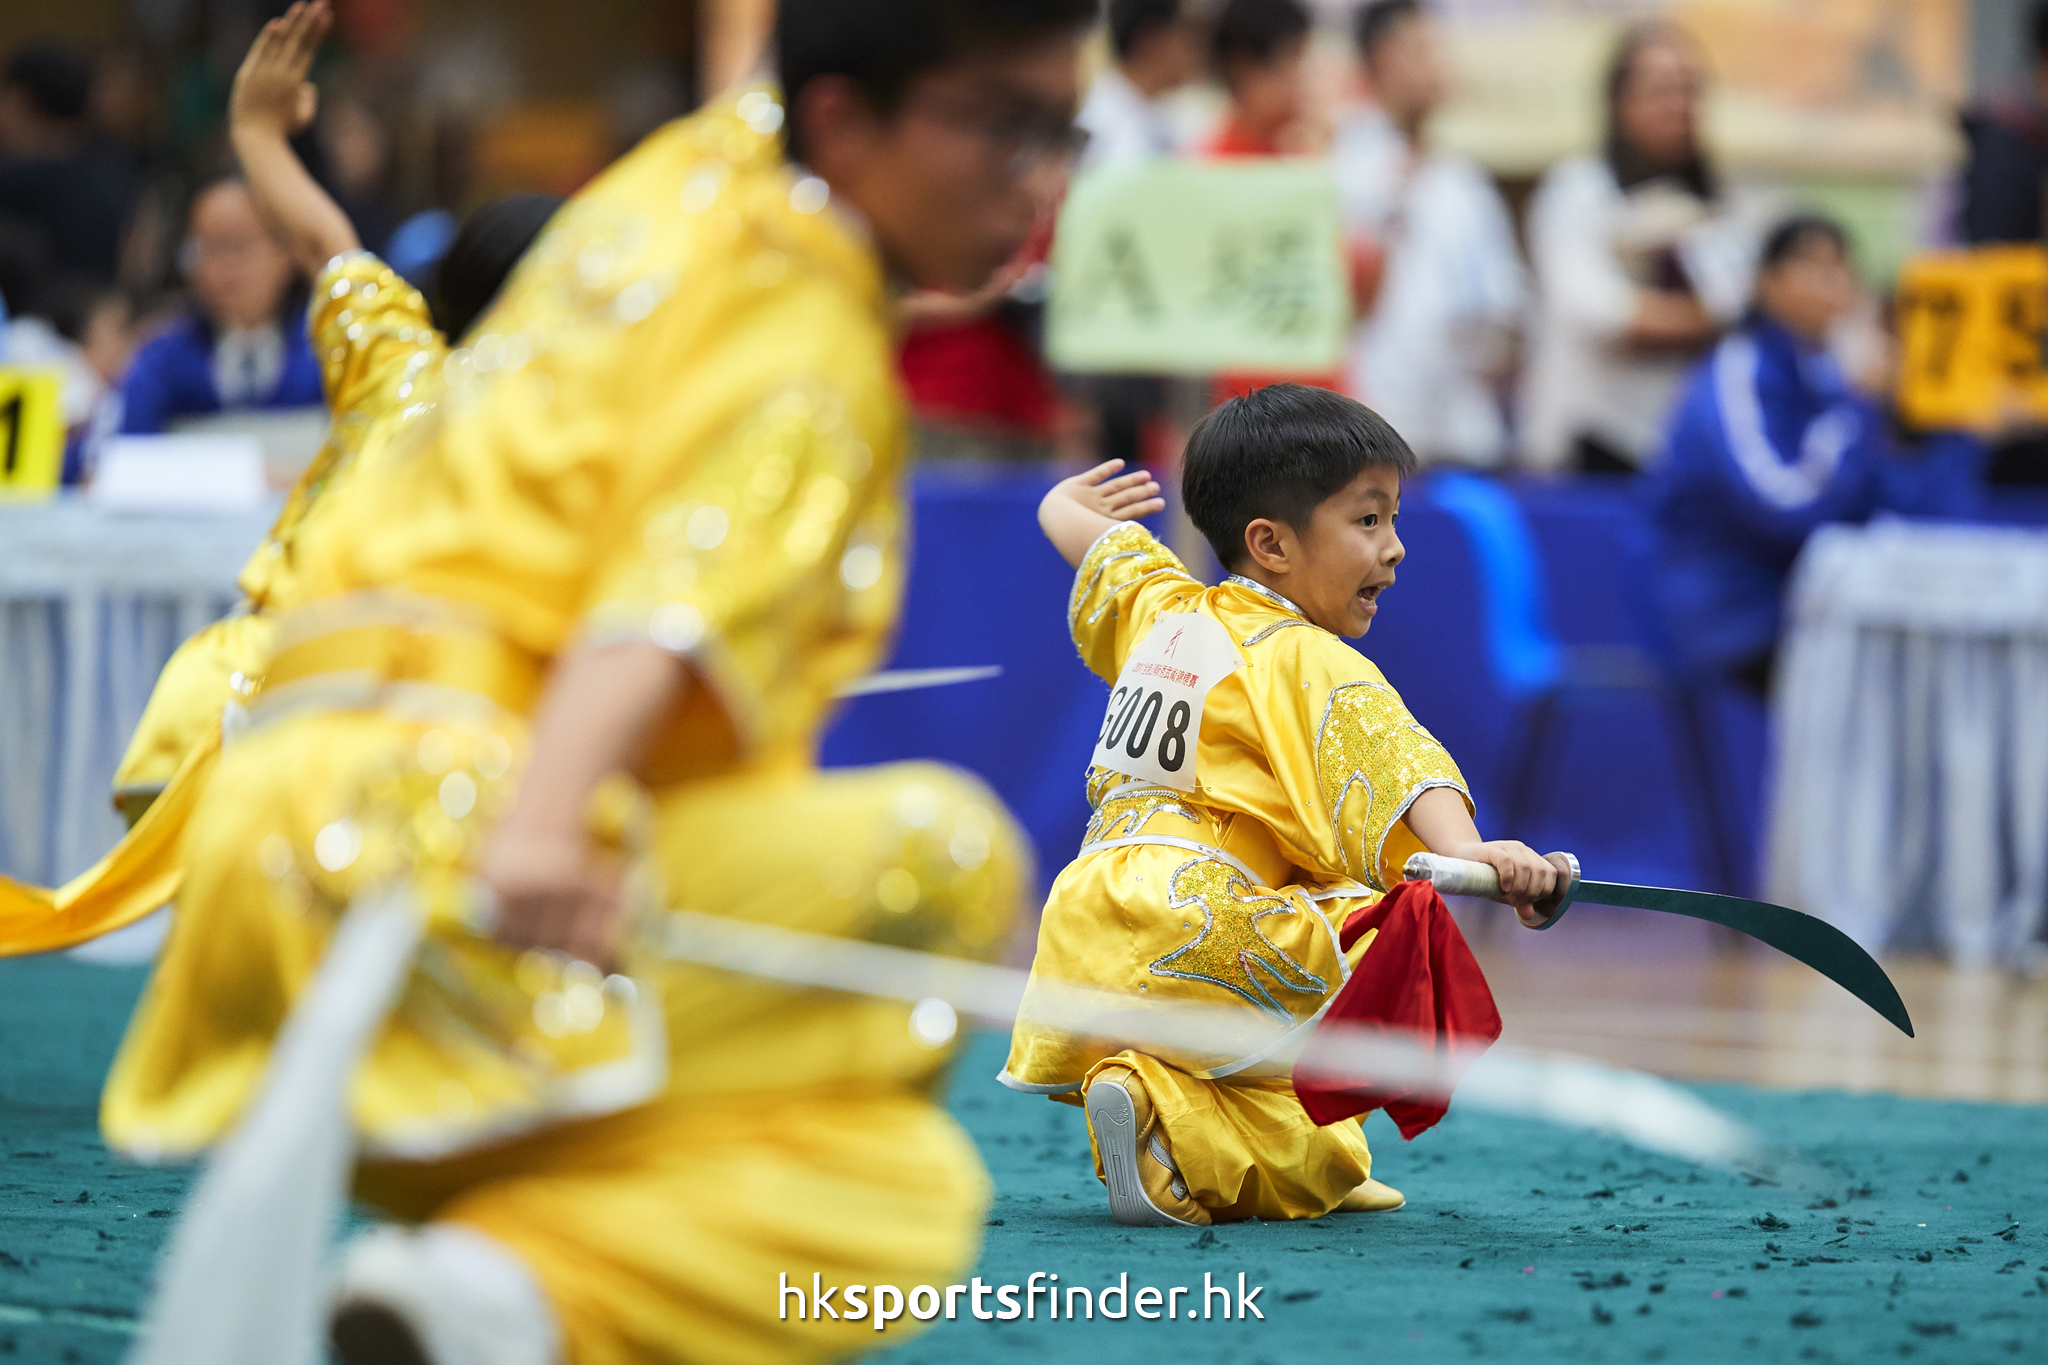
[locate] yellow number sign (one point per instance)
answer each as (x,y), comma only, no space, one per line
(31,432)
(1973,337)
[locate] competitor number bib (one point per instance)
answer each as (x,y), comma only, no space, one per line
(1154,723)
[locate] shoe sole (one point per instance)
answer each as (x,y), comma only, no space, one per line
(1113,1118)
(368,1333)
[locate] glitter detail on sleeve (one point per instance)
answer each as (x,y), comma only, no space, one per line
(1372,761)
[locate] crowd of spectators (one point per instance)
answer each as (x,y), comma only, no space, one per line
(132,261)
(1645,318)
(1612,325)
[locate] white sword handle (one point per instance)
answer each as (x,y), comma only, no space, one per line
(1462,877)
(1454,876)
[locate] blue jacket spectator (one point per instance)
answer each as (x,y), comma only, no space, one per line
(1768,443)
(178,373)
(244,344)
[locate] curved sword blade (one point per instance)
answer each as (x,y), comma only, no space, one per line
(1815,942)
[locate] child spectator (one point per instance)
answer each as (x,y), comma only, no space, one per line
(1153,53)
(1769,442)
(1260,53)
(1439,335)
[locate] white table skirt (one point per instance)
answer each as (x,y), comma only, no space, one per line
(1910,802)
(91,605)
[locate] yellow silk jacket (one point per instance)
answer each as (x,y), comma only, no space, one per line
(1231,894)
(679,423)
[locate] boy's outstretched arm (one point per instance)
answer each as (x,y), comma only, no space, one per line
(1438,817)
(1078,510)
(273,101)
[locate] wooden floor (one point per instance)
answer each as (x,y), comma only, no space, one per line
(1660,994)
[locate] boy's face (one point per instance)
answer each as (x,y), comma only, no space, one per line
(1335,567)
(952,182)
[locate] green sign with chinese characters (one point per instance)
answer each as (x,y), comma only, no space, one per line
(1195,267)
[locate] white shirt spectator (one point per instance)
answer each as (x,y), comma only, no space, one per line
(1593,247)
(247,363)
(1123,126)
(1452,295)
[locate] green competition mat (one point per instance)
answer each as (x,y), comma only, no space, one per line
(1916,1230)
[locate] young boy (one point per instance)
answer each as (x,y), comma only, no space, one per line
(1256,781)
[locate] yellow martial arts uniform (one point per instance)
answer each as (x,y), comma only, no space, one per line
(1232,894)
(373,336)
(679,424)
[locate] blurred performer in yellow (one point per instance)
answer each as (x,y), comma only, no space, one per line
(373,335)
(644,524)
(1256,786)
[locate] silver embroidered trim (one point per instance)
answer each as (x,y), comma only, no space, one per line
(1149,573)
(1262,590)
(1276,626)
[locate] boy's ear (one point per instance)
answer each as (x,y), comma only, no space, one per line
(1268,542)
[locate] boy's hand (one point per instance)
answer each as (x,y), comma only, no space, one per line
(550,894)
(1076,511)
(271,94)
(1526,876)
(1124,498)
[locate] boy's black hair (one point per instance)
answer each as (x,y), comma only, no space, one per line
(883,45)
(1255,31)
(489,243)
(1132,21)
(1276,453)
(1378,20)
(56,77)
(1795,232)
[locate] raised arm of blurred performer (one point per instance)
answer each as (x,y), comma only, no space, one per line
(273,102)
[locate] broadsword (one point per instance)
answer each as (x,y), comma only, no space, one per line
(1814,942)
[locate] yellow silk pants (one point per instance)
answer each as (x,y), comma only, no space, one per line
(1246,1149)
(796,1130)
(661,1234)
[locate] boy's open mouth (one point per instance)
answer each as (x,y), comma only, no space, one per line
(1370,596)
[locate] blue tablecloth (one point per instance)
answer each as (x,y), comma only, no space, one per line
(93,606)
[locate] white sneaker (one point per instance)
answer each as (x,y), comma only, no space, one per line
(1145,1189)
(441,1295)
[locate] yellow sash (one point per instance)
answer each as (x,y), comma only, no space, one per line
(141,873)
